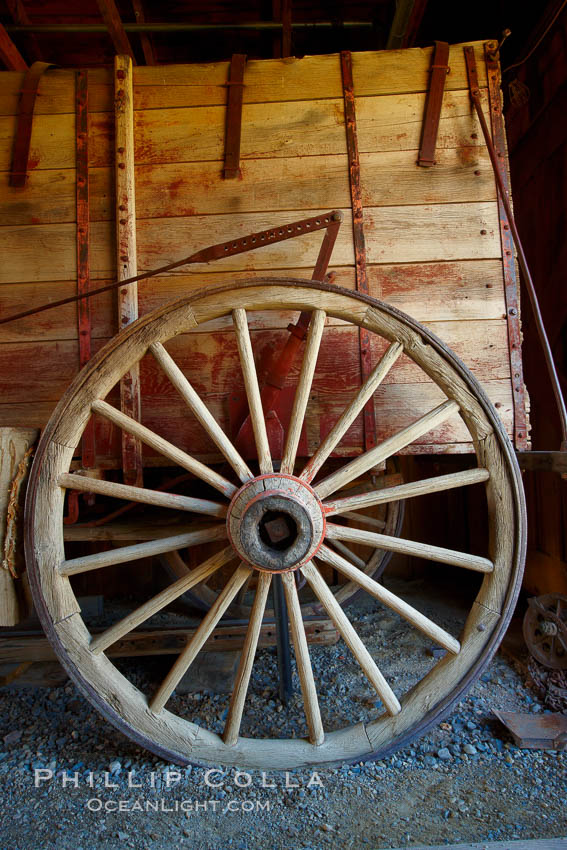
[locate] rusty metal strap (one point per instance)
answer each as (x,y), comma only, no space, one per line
(239,245)
(88,451)
(358,234)
(235,87)
(504,197)
(438,74)
(22,140)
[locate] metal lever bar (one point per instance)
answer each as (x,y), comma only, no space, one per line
(206,255)
(522,260)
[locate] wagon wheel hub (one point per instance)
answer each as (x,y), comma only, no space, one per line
(276,523)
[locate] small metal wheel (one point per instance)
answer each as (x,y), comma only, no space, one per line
(545,630)
(282,522)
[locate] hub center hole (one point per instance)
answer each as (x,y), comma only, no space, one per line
(278,530)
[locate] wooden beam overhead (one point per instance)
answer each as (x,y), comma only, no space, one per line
(21,18)
(407,19)
(111,18)
(145,39)
(9,53)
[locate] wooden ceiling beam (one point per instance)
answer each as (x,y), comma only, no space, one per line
(407,19)
(21,18)
(113,22)
(9,53)
(145,39)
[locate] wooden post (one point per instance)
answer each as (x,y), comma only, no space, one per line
(126,253)
(14,443)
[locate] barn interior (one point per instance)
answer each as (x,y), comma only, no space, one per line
(442,291)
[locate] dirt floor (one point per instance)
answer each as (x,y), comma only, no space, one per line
(71,781)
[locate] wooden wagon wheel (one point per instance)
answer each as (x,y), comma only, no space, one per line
(306,501)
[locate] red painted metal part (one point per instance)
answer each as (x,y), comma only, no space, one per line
(358,234)
(235,86)
(439,70)
(511,237)
(88,451)
(20,156)
(280,367)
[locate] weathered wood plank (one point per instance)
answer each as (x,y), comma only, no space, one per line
(312,77)
(186,189)
(393,235)
(269,130)
(426,291)
(397,405)
(211,362)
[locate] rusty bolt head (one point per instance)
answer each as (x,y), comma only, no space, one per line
(477,173)
(121,165)
(120,150)
(121,75)
(481,627)
(122,207)
(483,232)
(512,311)
(474,135)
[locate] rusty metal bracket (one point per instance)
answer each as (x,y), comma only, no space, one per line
(206,255)
(88,452)
(434,101)
(497,159)
(508,229)
(22,140)
(369,414)
(235,92)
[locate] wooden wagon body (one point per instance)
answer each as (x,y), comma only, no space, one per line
(127,174)
(434,245)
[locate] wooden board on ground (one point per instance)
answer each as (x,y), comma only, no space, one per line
(19,647)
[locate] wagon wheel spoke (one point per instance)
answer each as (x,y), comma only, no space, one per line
(201,411)
(199,639)
(344,550)
(142,550)
(312,345)
(405,491)
(167,449)
(141,494)
(365,520)
(238,697)
(412,615)
(383,451)
(304,669)
(252,390)
(156,603)
(350,413)
(410,547)
(352,639)
(242,592)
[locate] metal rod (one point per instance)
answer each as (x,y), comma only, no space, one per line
(523,263)
(282,640)
(269,26)
(214,252)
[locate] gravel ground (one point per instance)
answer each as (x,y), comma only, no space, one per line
(463,781)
